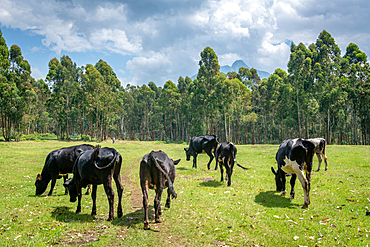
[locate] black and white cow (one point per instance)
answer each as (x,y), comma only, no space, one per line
(320,146)
(97,166)
(201,144)
(157,171)
(294,156)
(58,164)
(226,154)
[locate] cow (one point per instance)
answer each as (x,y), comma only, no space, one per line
(294,156)
(320,146)
(97,166)
(201,144)
(58,164)
(226,154)
(157,171)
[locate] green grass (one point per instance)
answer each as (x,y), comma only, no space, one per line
(206,211)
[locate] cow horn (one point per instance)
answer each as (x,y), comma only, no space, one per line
(38,176)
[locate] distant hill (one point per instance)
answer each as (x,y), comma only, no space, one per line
(235,67)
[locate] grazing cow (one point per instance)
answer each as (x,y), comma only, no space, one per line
(97,166)
(320,146)
(293,157)
(58,164)
(226,154)
(157,171)
(201,144)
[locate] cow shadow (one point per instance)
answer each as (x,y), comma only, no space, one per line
(273,199)
(211,183)
(67,214)
(135,220)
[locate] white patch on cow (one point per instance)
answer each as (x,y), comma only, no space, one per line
(293,167)
(290,166)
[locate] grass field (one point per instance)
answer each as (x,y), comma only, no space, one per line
(205,213)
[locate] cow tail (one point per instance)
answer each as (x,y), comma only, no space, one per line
(170,185)
(110,164)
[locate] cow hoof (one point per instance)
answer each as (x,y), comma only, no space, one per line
(305,205)
(168,205)
(119,215)
(158,220)
(93,213)
(283,193)
(146,226)
(291,197)
(110,219)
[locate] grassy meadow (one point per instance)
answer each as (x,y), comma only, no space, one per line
(206,211)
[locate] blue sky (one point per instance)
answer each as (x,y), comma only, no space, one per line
(161,40)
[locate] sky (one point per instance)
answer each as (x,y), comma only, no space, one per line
(162,40)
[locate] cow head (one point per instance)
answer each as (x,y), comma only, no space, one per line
(278,180)
(188,153)
(70,184)
(41,185)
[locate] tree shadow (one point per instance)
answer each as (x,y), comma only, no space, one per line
(272,199)
(135,220)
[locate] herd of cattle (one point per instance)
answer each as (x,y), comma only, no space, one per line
(95,165)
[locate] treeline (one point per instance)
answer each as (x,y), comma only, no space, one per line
(323,94)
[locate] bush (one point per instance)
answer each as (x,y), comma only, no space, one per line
(85,137)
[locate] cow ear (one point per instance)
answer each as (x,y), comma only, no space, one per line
(273,171)
(185,149)
(175,162)
(38,177)
(66,183)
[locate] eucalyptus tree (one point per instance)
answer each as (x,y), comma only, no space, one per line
(42,116)
(299,68)
(16,91)
(110,78)
(357,88)
(63,76)
(327,70)
(97,100)
(209,70)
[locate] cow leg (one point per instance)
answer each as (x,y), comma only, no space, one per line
(292,184)
(117,180)
(229,171)
(195,161)
(168,201)
(110,194)
(157,204)
(283,181)
(222,171)
(305,186)
(53,181)
(145,189)
(88,189)
(79,202)
(210,158)
(319,158)
(93,196)
(325,160)
(65,177)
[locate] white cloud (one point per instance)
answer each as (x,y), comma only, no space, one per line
(228,58)
(166,38)
(37,74)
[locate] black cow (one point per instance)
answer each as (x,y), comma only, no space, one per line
(320,146)
(58,164)
(294,157)
(97,166)
(157,171)
(201,144)
(226,154)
